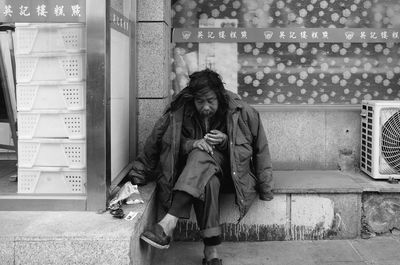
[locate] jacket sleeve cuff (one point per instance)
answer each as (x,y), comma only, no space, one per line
(267,196)
(265,192)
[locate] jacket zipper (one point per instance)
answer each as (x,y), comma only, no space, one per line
(173,150)
(232,156)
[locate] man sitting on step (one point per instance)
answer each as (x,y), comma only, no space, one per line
(207,141)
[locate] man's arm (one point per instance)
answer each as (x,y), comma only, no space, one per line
(146,163)
(261,156)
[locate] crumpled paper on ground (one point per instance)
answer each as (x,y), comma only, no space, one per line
(128,193)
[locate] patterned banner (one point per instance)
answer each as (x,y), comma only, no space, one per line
(352,35)
(33,11)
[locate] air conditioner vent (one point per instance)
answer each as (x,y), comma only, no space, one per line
(380,139)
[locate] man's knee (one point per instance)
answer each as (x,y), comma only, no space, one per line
(213,183)
(199,155)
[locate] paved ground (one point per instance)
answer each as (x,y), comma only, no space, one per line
(381,250)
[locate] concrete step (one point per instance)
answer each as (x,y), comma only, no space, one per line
(381,250)
(309,205)
(44,238)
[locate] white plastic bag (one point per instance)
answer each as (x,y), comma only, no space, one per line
(128,192)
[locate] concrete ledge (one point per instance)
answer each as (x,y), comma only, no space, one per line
(315,181)
(329,181)
(373,185)
(76,237)
(308,205)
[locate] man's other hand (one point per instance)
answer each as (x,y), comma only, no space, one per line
(203,145)
(215,137)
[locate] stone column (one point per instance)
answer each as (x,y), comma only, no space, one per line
(153,44)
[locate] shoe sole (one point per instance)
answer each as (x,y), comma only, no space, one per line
(152,243)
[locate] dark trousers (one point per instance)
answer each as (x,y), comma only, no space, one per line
(199,186)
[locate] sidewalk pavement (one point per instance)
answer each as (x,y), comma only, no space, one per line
(379,250)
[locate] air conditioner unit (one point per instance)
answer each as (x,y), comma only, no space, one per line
(380,139)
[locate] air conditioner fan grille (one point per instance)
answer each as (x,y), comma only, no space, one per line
(391,141)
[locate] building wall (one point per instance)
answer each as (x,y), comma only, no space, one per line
(299,139)
(312,139)
(153,63)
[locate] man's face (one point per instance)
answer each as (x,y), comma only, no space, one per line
(206,103)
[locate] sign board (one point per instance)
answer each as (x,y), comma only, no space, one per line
(354,35)
(36,11)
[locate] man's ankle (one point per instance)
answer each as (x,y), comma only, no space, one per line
(210,252)
(168,228)
(168,223)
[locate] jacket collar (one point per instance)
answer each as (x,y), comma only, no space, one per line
(235,101)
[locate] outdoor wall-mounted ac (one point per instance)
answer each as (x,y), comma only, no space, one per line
(380,139)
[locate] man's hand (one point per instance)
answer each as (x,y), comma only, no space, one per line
(203,145)
(215,137)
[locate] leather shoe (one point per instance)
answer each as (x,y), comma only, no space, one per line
(214,261)
(156,237)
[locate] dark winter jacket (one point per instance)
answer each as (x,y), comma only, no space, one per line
(248,150)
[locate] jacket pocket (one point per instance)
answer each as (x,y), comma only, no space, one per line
(243,149)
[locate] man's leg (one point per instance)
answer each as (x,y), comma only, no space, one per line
(191,185)
(160,235)
(180,208)
(207,213)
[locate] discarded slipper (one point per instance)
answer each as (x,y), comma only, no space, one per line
(117,213)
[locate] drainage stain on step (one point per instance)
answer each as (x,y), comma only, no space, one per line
(189,231)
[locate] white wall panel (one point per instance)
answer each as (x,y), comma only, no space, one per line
(119,102)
